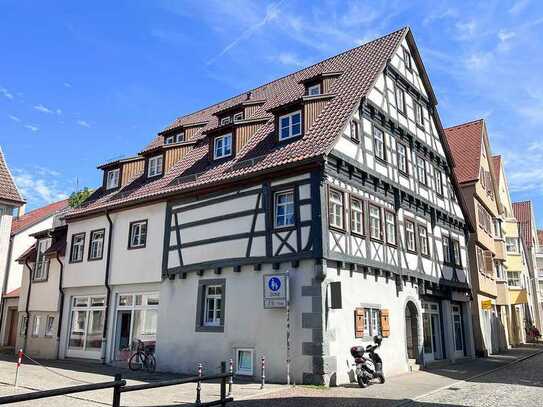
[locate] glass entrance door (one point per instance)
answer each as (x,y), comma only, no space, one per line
(431,324)
(458,331)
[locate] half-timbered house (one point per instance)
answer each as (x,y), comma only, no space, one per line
(340,176)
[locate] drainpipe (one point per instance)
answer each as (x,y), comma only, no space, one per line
(27,303)
(108,288)
(61,304)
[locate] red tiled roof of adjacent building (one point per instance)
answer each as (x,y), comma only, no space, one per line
(37,215)
(523,213)
(496,162)
(13,293)
(8,189)
(465,142)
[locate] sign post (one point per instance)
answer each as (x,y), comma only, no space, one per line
(288,330)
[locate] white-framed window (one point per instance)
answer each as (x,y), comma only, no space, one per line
(400,99)
(419,114)
(180,137)
(402,157)
(169,140)
(222,146)
(213,305)
(314,90)
(138,234)
(456,253)
(407,59)
(96,246)
(513,278)
(49,325)
(354,130)
(244,362)
(290,125)
(421,170)
(113,178)
(410,236)
(375,222)
(372,322)
(357,216)
(423,241)
(42,261)
(446,249)
(335,210)
(511,244)
(36,325)
(238,116)
(284,209)
(439,181)
(379,143)
(390,224)
(78,247)
(226,120)
(155,166)
(87,323)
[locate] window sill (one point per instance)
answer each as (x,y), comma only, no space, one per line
(75,261)
(381,160)
(95,259)
(137,247)
(356,234)
(284,228)
(404,173)
(336,228)
(355,140)
(206,328)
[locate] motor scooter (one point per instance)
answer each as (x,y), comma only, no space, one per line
(369,364)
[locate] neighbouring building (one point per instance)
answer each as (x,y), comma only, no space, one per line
(513,296)
(41,294)
(23,226)
(539,261)
(524,212)
(337,177)
(475,172)
(10,200)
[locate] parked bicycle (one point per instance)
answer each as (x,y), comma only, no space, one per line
(143,357)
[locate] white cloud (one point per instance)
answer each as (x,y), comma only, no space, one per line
(39,185)
(519,6)
(478,61)
(290,59)
(67,84)
(42,108)
(6,93)
(466,30)
(504,35)
(83,123)
(31,127)
(14,118)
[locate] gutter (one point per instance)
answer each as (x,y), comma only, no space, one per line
(61,304)
(27,303)
(108,288)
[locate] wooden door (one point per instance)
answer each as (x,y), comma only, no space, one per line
(12,338)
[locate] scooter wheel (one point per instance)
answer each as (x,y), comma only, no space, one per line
(381,379)
(362,381)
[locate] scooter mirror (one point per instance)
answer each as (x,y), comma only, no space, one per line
(378,339)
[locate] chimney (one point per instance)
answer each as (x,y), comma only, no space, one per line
(248,96)
(21,210)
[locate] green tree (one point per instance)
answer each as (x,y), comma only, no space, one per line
(77,198)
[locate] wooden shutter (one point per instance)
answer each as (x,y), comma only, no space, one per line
(385,324)
(359,322)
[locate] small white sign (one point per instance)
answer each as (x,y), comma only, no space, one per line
(275,291)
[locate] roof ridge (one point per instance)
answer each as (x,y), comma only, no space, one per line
(291,73)
(465,124)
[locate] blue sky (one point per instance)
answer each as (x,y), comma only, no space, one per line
(84,82)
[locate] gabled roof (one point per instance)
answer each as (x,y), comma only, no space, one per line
(359,70)
(8,189)
(37,215)
(465,141)
(497,162)
(523,213)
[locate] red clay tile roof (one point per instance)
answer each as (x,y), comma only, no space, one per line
(13,293)
(37,215)
(465,142)
(359,69)
(8,189)
(496,162)
(523,213)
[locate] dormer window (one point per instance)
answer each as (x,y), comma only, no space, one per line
(290,125)
(155,166)
(238,116)
(169,140)
(222,146)
(112,180)
(314,90)
(180,137)
(226,120)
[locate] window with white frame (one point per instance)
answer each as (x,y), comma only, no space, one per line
(390,223)
(401,150)
(372,322)
(238,116)
(314,90)
(213,305)
(335,208)
(407,59)
(169,140)
(96,246)
(423,240)
(375,222)
(226,120)
(354,131)
(155,166)
(49,325)
(180,137)
(42,261)
(419,114)
(138,234)
(456,253)
(446,249)
(511,244)
(400,99)
(513,278)
(284,209)
(113,178)
(87,324)
(357,216)
(77,248)
(36,325)
(379,143)
(222,146)
(421,170)
(439,181)
(290,125)
(244,362)
(410,236)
